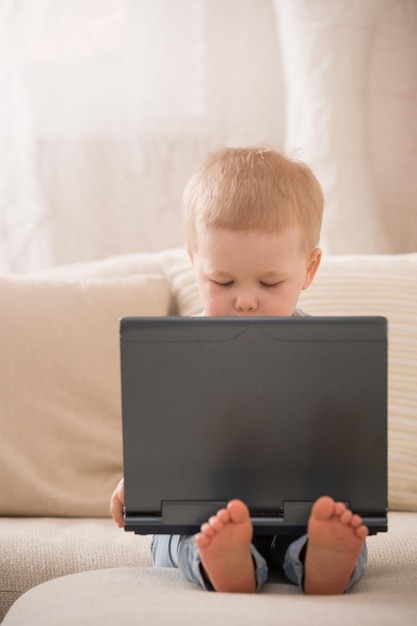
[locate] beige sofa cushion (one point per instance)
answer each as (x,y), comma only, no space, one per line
(35,549)
(358,285)
(382,285)
(179,271)
(157,596)
(60,444)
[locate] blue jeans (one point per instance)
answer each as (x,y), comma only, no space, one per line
(180,551)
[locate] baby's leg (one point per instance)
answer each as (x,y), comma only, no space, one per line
(224,547)
(335,541)
(165,549)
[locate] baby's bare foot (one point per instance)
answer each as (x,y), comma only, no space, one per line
(335,540)
(224,547)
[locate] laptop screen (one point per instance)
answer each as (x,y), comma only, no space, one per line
(274,411)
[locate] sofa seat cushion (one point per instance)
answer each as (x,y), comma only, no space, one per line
(386,595)
(35,550)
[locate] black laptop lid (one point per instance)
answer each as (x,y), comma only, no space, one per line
(274,411)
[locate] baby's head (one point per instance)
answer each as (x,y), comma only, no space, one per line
(253,189)
(252,226)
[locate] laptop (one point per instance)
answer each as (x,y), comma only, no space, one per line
(274,411)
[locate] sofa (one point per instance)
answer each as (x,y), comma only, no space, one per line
(63,560)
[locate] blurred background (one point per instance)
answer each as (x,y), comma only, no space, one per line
(108,106)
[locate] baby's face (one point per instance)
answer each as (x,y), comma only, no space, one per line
(252,273)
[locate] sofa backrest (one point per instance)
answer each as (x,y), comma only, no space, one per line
(360,285)
(60,418)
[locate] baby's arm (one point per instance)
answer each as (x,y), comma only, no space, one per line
(117,502)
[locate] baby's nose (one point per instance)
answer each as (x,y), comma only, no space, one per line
(246,302)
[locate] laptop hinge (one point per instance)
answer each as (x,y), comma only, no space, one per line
(297,512)
(190,512)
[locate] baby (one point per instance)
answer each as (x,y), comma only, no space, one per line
(252,224)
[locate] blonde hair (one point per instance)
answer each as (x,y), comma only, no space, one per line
(255,188)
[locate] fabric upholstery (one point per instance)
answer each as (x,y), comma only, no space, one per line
(60,449)
(60,407)
(358,285)
(35,550)
(158,596)
(382,285)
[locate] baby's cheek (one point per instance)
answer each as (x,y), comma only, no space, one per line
(217,305)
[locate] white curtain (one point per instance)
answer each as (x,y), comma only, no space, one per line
(107,106)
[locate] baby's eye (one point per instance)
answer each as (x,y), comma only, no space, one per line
(228,283)
(270,285)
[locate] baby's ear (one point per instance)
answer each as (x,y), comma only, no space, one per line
(312,267)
